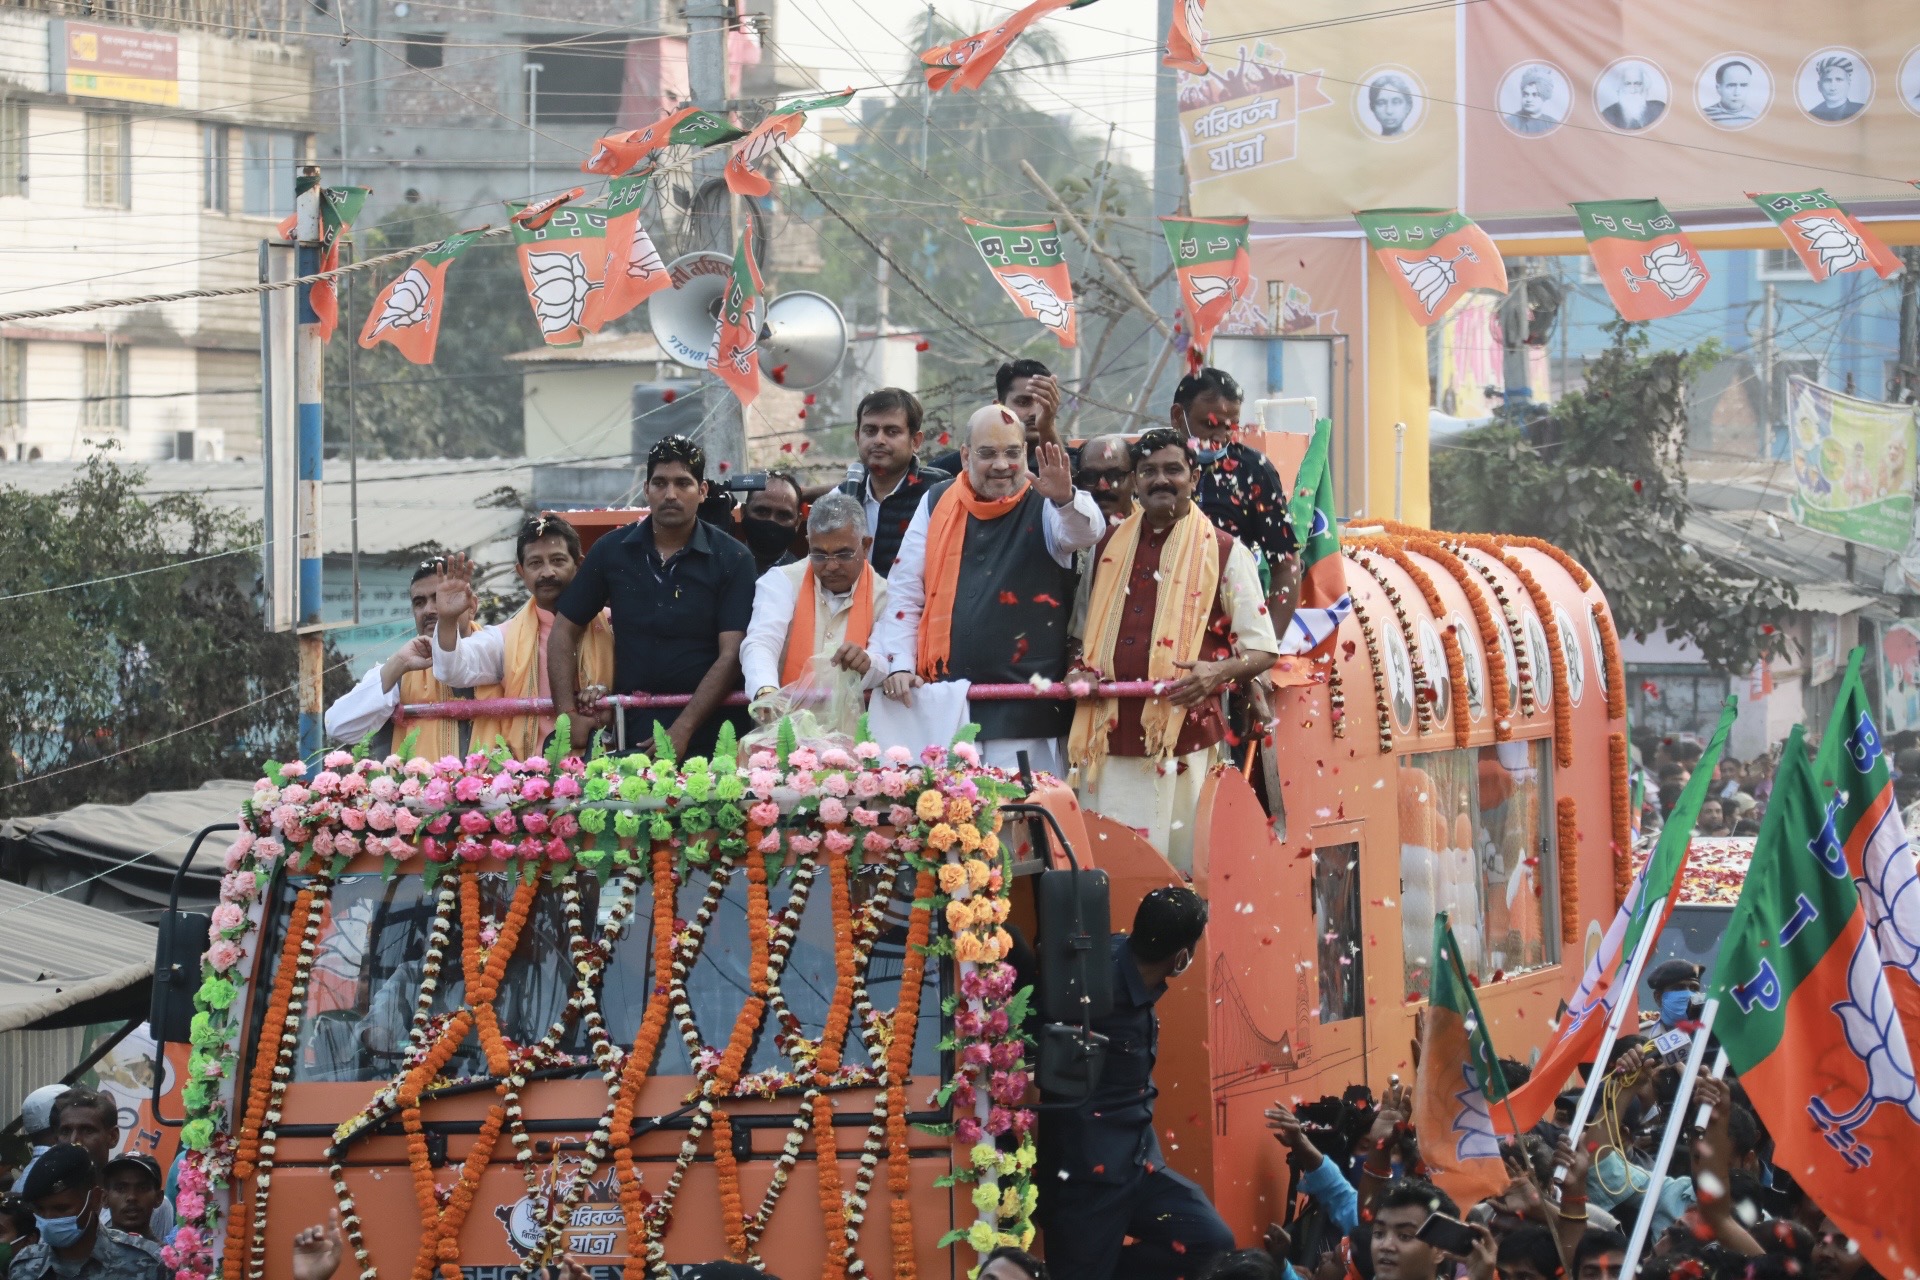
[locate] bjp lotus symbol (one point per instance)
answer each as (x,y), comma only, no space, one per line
(560,289)
(1433,276)
(1839,248)
(409,302)
(1670,269)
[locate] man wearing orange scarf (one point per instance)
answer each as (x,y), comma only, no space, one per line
(1171,598)
(509,659)
(983,585)
(813,619)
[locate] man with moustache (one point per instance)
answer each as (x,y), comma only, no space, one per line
(509,659)
(373,705)
(887,432)
(1174,599)
(1106,472)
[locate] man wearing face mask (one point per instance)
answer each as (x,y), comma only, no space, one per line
(509,659)
(1674,984)
(1109,1204)
(63,1189)
(768,520)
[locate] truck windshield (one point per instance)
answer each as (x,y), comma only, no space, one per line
(368,967)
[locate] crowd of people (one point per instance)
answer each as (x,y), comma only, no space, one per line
(1166,556)
(1737,798)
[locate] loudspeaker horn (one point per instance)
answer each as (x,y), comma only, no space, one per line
(685,316)
(805,337)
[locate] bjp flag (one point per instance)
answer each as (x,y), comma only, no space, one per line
(736,337)
(618,153)
(634,269)
(564,263)
(769,136)
(1210,257)
(1828,238)
(407,313)
(966,63)
(1434,257)
(1458,1082)
(1187,39)
(1029,265)
(1650,268)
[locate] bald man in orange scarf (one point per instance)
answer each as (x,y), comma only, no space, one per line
(983,586)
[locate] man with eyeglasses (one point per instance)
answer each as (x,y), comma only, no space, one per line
(815,617)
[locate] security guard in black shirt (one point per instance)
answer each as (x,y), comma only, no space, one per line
(63,1190)
(1110,1205)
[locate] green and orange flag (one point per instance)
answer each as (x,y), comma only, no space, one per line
(1645,260)
(634,270)
(618,153)
(1808,1018)
(1029,264)
(407,312)
(965,63)
(1186,39)
(1458,1083)
(1433,257)
(1211,259)
(770,135)
(1828,238)
(1306,650)
(563,258)
(736,336)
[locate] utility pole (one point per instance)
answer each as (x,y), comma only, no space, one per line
(309,354)
(533,123)
(1514,371)
(340,66)
(1169,178)
(1907,385)
(725,434)
(926,100)
(1766,372)
(1093,232)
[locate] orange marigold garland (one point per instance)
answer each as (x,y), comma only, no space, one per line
(1449,642)
(1621,792)
(1569,869)
(833,1210)
(1556,655)
(1483,622)
(646,1046)
(732,1212)
(1574,569)
(1524,676)
(899,1065)
(1610,662)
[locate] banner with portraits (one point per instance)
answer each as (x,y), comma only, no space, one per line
(1507,108)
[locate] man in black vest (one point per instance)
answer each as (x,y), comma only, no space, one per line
(887,433)
(983,586)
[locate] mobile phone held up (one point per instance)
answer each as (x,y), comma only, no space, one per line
(1449,1235)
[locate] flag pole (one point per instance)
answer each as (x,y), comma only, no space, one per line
(1643,1221)
(1719,1072)
(1629,981)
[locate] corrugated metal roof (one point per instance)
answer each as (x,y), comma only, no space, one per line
(55,954)
(404,503)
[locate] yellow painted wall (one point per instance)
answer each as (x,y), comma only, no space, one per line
(1396,392)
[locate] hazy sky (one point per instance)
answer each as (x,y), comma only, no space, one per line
(1114,45)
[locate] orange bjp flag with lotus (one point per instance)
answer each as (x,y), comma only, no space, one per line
(1649,266)
(634,270)
(1434,257)
(772,133)
(1828,239)
(736,339)
(1458,1083)
(965,63)
(407,313)
(1187,39)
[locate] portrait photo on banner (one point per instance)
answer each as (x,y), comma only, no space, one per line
(1834,84)
(1631,94)
(1390,103)
(1733,91)
(1533,99)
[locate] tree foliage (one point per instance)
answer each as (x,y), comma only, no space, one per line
(1602,478)
(974,141)
(467,403)
(172,666)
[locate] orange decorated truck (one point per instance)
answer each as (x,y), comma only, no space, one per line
(456,1002)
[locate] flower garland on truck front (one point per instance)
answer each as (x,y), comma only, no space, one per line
(547,822)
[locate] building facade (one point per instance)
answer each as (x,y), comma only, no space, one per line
(140,157)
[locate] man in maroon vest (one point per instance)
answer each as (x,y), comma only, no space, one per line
(984,582)
(1171,599)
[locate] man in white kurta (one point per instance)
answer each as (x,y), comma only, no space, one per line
(834,594)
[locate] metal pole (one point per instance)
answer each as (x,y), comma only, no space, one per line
(1169,164)
(340,66)
(533,123)
(309,354)
(1643,1222)
(1399,464)
(1628,998)
(926,101)
(1093,229)
(353,449)
(725,433)
(1766,373)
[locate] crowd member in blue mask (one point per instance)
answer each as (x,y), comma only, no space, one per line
(1674,984)
(65,1193)
(1237,488)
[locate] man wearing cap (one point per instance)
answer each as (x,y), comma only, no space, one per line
(63,1190)
(1674,984)
(1109,1204)
(90,1120)
(133,1183)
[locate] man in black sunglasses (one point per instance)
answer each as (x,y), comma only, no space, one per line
(1106,472)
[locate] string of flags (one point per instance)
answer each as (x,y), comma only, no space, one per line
(1646,262)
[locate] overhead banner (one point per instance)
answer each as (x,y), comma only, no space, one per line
(1509,107)
(1853,465)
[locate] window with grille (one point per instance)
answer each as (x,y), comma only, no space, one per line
(109,160)
(13,148)
(106,388)
(1782,264)
(267,172)
(215,181)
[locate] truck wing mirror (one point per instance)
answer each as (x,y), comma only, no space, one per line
(176,974)
(1076,977)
